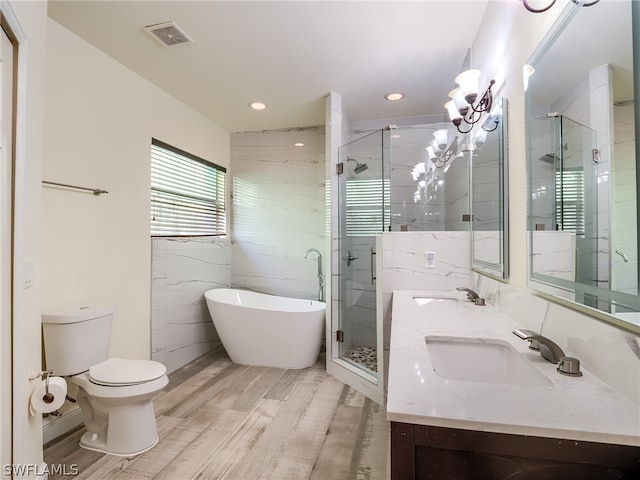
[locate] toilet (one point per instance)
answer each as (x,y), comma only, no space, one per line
(114,394)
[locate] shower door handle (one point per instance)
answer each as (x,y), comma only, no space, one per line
(373,277)
(349,258)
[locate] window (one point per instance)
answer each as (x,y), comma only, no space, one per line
(570,200)
(187,193)
(367,207)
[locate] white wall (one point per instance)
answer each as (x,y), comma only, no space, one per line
(100,118)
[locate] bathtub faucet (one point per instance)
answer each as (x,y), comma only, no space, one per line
(320,276)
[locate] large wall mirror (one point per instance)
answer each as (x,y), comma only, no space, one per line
(582,126)
(489,195)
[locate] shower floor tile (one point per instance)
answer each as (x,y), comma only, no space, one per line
(365,356)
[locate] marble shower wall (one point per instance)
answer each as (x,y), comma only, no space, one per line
(182,270)
(624,238)
(278,210)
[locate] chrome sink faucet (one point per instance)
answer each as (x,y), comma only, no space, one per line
(471,295)
(551,352)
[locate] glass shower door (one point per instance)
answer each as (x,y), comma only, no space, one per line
(576,199)
(363,213)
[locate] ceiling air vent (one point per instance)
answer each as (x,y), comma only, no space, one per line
(168,34)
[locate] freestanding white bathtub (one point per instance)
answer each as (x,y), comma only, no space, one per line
(267,330)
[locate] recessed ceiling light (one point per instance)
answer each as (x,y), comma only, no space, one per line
(394,96)
(299,144)
(258,105)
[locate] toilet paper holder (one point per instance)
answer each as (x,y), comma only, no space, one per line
(44,375)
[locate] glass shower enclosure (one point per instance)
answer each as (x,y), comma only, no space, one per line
(364,212)
(565,179)
(388,183)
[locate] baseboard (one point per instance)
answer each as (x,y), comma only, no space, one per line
(57,426)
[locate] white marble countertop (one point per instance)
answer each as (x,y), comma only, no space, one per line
(575,408)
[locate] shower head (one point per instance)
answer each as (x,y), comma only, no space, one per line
(549,158)
(360,167)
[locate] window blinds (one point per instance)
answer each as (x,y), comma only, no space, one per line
(187,193)
(570,200)
(367,207)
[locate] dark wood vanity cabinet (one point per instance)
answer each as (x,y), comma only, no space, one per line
(438,453)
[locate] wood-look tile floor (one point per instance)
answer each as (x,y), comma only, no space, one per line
(219,420)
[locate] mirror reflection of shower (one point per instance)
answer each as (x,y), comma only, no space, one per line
(360,167)
(625,259)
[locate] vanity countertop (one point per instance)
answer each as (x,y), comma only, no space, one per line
(571,408)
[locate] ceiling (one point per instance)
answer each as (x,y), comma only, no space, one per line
(287,54)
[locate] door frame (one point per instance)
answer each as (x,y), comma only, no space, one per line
(15,395)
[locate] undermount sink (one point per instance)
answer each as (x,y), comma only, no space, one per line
(434,300)
(481,360)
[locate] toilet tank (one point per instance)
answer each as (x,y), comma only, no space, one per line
(76,338)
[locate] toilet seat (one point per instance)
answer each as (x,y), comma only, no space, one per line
(118,392)
(118,372)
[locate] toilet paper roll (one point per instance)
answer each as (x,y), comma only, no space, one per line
(46,404)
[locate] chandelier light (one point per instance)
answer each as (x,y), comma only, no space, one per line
(441,151)
(465,106)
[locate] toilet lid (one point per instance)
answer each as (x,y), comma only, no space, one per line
(118,371)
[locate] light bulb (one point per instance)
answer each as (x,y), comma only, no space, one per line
(468,82)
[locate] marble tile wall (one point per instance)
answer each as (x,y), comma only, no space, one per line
(624,238)
(486,246)
(610,353)
(278,210)
(403,267)
(182,270)
(553,254)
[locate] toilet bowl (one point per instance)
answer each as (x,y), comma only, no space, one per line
(114,394)
(119,414)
